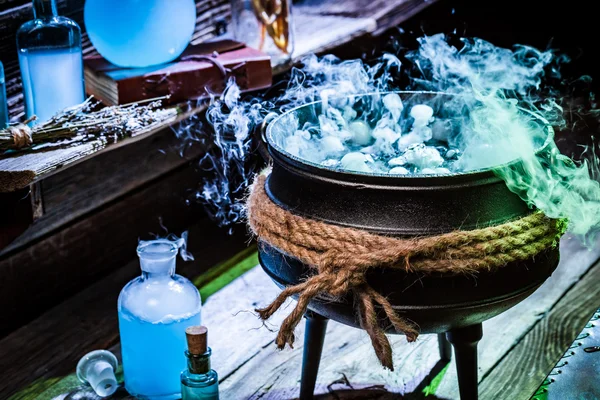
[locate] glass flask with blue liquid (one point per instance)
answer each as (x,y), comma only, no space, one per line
(140,33)
(51,62)
(154,311)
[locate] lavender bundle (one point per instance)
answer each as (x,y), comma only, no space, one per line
(80,123)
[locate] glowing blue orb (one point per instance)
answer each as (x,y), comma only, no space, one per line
(140,33)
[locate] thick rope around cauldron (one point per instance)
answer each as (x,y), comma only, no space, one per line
(341,257)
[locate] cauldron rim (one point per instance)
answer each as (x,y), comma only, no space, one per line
(486,174)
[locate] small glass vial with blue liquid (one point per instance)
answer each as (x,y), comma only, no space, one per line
(198,381)
(154,311)
(51,61)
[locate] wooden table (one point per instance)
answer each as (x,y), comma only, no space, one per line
(518,349)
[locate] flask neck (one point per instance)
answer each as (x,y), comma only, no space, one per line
(157,269)
(157,257)
(198,364)
(43,9)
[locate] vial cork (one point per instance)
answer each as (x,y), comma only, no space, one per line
(197,339)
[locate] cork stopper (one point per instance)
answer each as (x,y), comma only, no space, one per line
(197,339)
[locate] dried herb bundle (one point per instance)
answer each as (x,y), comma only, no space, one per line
(80,123)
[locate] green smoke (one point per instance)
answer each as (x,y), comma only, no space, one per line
(505,116)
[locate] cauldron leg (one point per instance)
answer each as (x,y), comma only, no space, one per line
(445,347)
(314,335)
(464,341)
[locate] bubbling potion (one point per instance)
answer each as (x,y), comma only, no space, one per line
(154,311)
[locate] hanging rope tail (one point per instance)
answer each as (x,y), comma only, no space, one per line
(341,258)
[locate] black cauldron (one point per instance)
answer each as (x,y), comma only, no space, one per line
(452,307)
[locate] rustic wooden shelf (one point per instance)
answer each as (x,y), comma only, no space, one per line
(102,172)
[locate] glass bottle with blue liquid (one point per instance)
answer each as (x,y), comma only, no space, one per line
(154,311)
(51,61)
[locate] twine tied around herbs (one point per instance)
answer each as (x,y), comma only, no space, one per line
(21,133)
(341,257)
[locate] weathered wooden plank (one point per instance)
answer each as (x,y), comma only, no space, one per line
(236,334)
(348,363)
(503,332)
(521,371)
(17,172)
(38,355)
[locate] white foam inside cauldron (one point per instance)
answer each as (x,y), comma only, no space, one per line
(384,135)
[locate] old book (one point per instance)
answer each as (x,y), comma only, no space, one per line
(201,69)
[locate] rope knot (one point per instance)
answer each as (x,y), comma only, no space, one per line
(341,258)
